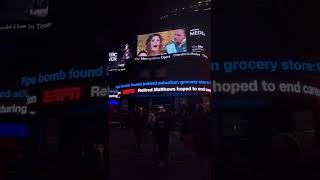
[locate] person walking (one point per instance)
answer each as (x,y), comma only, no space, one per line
(163,131)
(187,132)
(152,120)
(139,127)
(97,162)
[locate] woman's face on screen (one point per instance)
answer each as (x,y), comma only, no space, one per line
(155,43)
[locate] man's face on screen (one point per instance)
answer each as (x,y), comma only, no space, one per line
(179,36)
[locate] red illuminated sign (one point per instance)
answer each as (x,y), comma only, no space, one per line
(61,95)
(128,91)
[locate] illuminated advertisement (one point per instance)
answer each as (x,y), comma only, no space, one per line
(166,42)
(13,109)
(13,130)
(159,87)
(264,65)
(117,59)
(166,91)
(172,43)
(62,75)
(61,95)
(14,15)
(114,94)
(126,52)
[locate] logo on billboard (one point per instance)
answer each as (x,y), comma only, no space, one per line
(114,94)
(197,48)
(128,91)
(113,56)
(61,95)
(197,32)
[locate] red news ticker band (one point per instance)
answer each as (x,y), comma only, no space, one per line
(61,95)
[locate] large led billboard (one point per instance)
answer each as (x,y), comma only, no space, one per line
(166,42)
(172,43)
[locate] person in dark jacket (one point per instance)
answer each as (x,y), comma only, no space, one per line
(139,124)
(163,130)
(187,131)
(98,162)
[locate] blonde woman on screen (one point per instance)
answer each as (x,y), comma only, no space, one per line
(153,46)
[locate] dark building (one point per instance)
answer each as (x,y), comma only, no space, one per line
(254,63)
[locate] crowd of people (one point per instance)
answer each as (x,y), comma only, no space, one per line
(191,123)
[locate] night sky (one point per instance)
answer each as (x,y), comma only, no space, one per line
(82,30)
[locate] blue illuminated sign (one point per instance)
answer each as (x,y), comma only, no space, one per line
(71,74)
(264,65)
(13,130)
(113,102)
(161,83)
(12,94)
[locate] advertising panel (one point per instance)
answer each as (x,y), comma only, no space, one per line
(173,43)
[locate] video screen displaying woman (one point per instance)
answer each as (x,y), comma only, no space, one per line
(161,43)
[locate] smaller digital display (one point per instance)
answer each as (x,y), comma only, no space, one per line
(117,59)
(172,44)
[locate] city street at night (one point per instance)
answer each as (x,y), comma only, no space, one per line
(127,164)
(159,90)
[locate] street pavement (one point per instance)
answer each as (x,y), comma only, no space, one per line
(127,164)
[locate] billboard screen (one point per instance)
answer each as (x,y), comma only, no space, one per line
(160,43)
(173,43)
